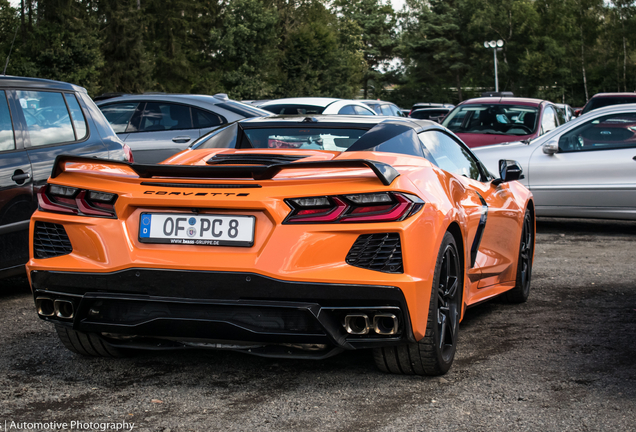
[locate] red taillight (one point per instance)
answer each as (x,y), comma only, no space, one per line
(128,154)
(380,207)
(64,199)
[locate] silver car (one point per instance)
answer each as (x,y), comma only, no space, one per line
(584,168)
(156,126)
(317,105)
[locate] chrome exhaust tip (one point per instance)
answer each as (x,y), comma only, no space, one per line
(385,324)
(44,306)
(357,324)
(63,309)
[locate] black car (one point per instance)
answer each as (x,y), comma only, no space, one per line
(39,120)
(433,114)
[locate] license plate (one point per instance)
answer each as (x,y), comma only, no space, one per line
(203,229)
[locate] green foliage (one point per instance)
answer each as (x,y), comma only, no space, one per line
(562,50)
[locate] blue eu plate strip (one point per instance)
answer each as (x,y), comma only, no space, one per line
(144,228)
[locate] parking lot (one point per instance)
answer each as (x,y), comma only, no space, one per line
(565,360)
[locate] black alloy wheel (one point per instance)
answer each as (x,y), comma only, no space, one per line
(447,302)
(434,353)
(521,291)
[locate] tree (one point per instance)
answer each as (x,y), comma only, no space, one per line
(377,23)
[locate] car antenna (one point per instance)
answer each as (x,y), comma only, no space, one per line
(4,72)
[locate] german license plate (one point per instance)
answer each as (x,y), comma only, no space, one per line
(202,229)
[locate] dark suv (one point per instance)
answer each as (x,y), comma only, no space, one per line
(39,120)
(600,100)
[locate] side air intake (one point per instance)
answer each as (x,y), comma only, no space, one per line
(380,252)
(50,240)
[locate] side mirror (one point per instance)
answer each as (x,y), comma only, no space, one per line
(509,170)
(551,147)
(577,112)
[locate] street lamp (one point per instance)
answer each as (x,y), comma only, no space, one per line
(495,45)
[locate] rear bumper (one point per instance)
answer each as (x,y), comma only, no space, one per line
(219,308)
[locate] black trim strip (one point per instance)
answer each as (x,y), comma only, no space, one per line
(202,185)
(385,173)
(16,226)
(480,230)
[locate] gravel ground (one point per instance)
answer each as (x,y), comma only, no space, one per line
(563,361)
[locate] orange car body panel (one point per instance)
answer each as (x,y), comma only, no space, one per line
(302,252)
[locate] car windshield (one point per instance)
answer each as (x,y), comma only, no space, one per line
(600,102)
(494,119)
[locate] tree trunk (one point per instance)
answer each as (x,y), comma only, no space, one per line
(459,88)
(587,97)
(624,65)
(22,21)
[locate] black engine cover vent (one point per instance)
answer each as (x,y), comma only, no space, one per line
(252,159)
(380,252)
(50,240)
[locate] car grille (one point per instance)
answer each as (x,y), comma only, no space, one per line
(50,240)
(380,252)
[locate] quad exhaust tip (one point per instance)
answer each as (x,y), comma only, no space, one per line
(357,324)
(44,306)
(63,309)
(384,324)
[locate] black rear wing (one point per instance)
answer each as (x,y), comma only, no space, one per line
(385,172)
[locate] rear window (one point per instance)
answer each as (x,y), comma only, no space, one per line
(303,138)
(427,114)
(601,102)
(294,109)
(245,110)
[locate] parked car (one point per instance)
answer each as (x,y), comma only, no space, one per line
(421,105)
(585,168)
(487,121)
(383,108)
(567,110)
(286,237)
(40,120)
(433,114)
(317,105)
(156,126)
(600,100)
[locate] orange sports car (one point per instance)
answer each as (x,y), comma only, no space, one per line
(285,236)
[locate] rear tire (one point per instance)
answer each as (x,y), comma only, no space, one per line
(521,291)
(434,353)
(86,344)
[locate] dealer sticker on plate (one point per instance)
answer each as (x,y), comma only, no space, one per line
(201,229)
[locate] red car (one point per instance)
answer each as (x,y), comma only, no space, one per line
(495,120)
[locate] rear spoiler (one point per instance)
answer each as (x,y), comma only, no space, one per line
(385,172)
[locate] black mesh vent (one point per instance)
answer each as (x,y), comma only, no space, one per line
(381,252)
(50,240)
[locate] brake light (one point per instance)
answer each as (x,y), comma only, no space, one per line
(128,154)
(374,207)
(83,202)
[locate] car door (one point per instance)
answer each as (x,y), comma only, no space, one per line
(55,124)
(16,193)
(492,213)
(158,130)
(593,171)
